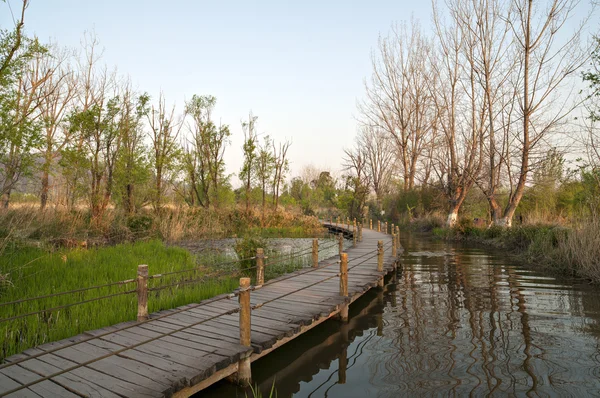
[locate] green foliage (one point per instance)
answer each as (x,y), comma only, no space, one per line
(202,160)
(34,272)
(245,248)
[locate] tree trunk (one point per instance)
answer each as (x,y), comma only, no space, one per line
(452,217)
(6,199)
(45,189)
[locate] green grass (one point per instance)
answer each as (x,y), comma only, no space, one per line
(35,272)
(285,232)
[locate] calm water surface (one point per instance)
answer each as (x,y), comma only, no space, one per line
(454,321)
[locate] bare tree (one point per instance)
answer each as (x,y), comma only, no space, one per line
(398,96)
(460,109)
(59,91)
(379,157)
(547,56)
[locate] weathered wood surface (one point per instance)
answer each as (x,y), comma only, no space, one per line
(166,365)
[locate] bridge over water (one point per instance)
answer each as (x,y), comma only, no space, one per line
(181,351)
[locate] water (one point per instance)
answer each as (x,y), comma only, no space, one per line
(456,320)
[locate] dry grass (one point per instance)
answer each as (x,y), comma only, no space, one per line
(73,228)
(580,247)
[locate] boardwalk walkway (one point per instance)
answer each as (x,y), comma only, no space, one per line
(184,350)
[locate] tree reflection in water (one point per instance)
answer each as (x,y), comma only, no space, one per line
(454,321)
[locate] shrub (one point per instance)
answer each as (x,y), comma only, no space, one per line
(246,248)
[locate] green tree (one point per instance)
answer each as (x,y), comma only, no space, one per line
(165,152)
(250,154)
(20,128)
(203,157)
(132,169)
(264,168)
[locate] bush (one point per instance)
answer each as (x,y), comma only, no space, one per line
(246,248)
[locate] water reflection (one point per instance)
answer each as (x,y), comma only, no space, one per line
(459,322)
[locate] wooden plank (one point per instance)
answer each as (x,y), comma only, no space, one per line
(172,351)
(7,384)
(201,349)
(179,375)
(85,385)
(124,369)
(108,381)
(44,388)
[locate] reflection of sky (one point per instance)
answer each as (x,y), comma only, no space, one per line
(471,323)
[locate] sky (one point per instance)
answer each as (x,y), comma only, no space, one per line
(297,65)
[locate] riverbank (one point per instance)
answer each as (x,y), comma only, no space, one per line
(573,250)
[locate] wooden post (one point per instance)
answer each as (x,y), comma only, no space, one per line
(244,375)
(341,243)
(344,285)
(348,224)
(354,236)
(370,223)
(342,365)
(378,226)
(393,244)
(380,315)
(386,228)
(380,260)
(315,253)
(360,227)
(260,267)
(343,361)
(393,229)
(338,221)
(142,292)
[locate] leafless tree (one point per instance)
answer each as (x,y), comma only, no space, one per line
(380,159)
(547,57)
(398,96)
(59,91)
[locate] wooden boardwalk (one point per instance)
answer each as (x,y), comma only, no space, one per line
(181,351)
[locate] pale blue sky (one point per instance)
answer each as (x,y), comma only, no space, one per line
(299,66)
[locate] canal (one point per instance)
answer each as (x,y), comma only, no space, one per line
(454,320)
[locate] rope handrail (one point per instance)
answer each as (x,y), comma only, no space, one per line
(158,288)
(133,346)
(187,308)
(61,307)
(118,283)
(84,289)
(123,282)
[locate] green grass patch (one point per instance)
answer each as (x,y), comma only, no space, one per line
(32,272)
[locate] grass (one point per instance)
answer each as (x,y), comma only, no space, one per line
(31,272)
(571,250)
